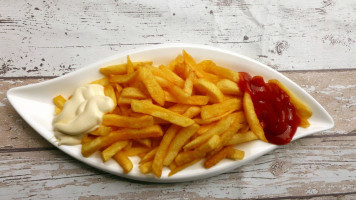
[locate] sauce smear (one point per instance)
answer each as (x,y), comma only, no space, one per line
(274,110)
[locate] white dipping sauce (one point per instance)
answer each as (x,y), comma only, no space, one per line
(81,114)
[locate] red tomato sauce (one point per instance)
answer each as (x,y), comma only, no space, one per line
(274,110)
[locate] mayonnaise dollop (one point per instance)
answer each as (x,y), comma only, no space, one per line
(81,114)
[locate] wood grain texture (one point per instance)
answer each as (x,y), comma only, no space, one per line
(52,38)
(312,41)
(321,166)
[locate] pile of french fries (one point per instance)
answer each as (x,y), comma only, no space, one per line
(171,116)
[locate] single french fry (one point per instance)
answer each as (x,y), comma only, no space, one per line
(145,142)
(149,155)
(222,72)
(245,127)
(157,111)
(103,81)
(211,120)
(171,76)
(101,131)
(251,117)
(124,100)
(179,168)
(128,146)
(228,87)
(141,86)
(113,149)
(87,138)
(57,110)
(160,121)
(59,101)
(124,161)
(301,108)
(236,155)
(304,123)
(206,87)
(151,85)
(116,111)
(227,135)
(146,167)
(169,97)
(114,69)
(132,133)
(182,70)
(133,93)
(122,78)
(198,100)
(219,128)
(206,75)
(189,82)
(179,108)
(157,72)
(129,65)
(140,155)
(192,111)
(125,121)
(125,109)
(215,110)
(178,93)
(172,166)
(240,138)
(110,92)
(118,87)
(178,60)
(163,82)
(223,153)
(134,151)
(188,60)
(204,128)
(121,68)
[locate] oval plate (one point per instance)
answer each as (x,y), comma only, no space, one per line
(34,104)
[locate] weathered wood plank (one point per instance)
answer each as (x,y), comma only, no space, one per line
(300,169)
(46,38)
(318,167)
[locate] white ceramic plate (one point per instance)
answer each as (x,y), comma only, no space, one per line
(34,104)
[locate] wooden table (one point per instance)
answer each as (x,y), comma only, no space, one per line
(311,42)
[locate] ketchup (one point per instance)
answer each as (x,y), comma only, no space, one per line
(274,110)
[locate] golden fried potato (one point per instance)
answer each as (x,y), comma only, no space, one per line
(210,89)
(125,121)
(151,85)
(215,110)
(251,117)
(157,111)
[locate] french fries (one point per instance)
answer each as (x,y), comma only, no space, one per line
(210,89)
(113,149)
(129,122)
(157,111)
(215,110)
(59,102)
(252,117)
(175,115)
(152,86)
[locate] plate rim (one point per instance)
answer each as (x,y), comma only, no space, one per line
(11,93)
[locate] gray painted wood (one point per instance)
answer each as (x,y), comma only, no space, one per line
(313,42)
(51,38)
